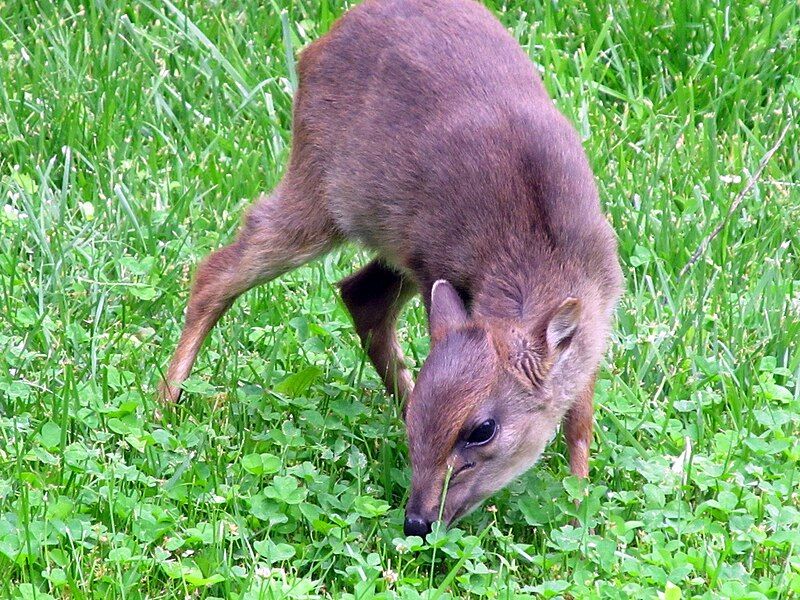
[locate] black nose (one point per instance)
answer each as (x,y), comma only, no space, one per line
(415,525)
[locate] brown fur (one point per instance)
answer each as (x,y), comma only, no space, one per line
(423,132)
(374,296)
(578,431)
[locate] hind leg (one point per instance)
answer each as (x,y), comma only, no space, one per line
(279,233)
(374,296)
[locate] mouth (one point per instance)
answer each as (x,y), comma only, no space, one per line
(456,516)
(462,511)
(459,514)
(466,508)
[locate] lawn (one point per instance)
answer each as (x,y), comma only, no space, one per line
(133,133)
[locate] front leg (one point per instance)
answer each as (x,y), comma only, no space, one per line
(374,296)
(578,430)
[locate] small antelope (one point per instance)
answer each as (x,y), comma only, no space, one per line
(423,132)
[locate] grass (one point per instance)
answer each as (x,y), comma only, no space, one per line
(133,135)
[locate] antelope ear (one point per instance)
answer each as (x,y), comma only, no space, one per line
(447,310)
(562,326)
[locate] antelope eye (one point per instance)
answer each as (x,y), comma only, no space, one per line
(482,434)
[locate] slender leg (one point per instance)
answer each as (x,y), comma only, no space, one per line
(278,234)
(578,431)
(374,296)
